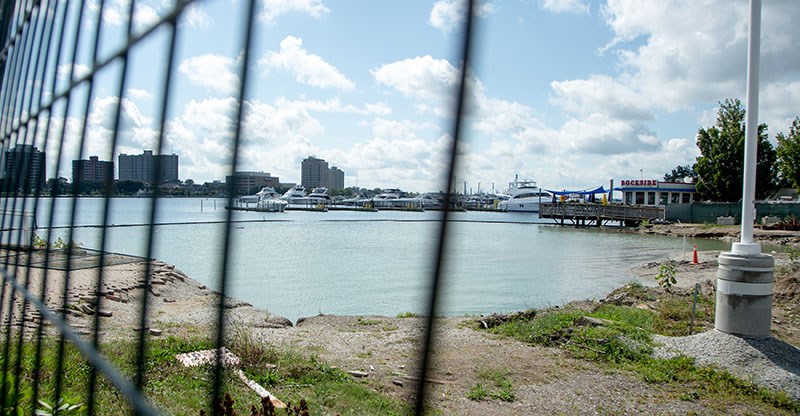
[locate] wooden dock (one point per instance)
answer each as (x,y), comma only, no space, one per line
(597,214)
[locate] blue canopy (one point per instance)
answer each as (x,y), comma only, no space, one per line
(598,190)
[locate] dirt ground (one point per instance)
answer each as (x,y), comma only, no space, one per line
(385,351)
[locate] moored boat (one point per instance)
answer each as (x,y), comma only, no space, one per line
(524,196)
(265,200)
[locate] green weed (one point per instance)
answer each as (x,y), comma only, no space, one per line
(500,387)
(623,342)
(666,275)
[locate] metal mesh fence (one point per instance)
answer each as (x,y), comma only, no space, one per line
(42,40)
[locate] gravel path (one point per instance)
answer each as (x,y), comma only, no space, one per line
(767,362)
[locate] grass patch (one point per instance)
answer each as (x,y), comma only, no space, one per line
(620,339)
(408,314)
(293,376)
(495,384)
(673,315)
(176,389)
(362,321)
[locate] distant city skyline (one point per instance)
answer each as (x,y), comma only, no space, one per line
(569,93)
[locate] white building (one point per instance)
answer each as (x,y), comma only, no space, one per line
(653,192)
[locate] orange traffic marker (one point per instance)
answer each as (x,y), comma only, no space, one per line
(694,255)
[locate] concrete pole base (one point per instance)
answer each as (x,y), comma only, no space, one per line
(744,294)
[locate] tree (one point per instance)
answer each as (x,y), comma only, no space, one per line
(720,167)
(789,155)
(129,187)
(680,172)
(58,186)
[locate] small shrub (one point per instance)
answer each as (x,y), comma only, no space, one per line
(666,275)
(794,253)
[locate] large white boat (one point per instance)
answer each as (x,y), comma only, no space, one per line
(295,194)
(317,200)
(524,196)
(319,196)
(394,199)
(432,201)
(265,200)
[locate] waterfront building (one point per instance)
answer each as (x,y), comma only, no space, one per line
(315,173)
(24,169)
(248,183)
(335,178)
(141,167)
(92,170)
(653,192)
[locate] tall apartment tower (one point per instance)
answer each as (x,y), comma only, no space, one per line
(24,169)
(141,167)
(335,178)
(313,173)
(92,170)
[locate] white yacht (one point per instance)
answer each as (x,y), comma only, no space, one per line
(394,199)
(266,200)
(524,196)
(295,195)
(318,196)
(432,201)
(269,200)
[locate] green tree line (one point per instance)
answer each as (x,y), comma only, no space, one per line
(719,170)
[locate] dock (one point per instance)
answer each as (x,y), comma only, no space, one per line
(597,214)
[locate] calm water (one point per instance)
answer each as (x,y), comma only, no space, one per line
(303,263)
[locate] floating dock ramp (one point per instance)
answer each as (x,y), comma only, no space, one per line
(597,214)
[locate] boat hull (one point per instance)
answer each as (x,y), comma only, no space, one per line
(519,206)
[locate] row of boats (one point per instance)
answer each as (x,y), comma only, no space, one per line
(521,196)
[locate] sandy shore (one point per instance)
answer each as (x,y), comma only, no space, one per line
(175,300)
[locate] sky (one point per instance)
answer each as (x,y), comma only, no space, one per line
(569,93)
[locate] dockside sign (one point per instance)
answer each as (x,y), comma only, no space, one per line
(645,183)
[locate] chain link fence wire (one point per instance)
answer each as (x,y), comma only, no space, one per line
(40,38)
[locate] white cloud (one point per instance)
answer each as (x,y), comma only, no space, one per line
(601,94)
(697,50)
(402,159)
(78,71)
(565,6)
(682,56)
(103,109)
(140,94)
(275,8)
(212,72)
(115,13)
(779,105)
(448,15)
(307,68)
(197,17)
(429,80)
(202,135)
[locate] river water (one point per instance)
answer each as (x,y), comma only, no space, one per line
(298,264)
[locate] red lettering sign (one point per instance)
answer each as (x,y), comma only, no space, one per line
(640,182)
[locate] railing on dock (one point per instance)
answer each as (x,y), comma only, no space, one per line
(597,214)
